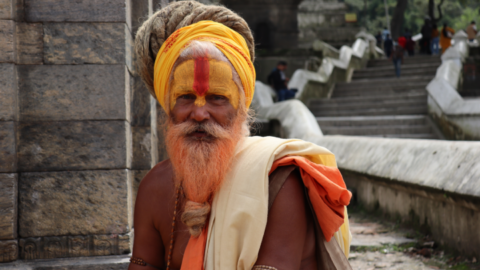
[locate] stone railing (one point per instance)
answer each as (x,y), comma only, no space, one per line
(295,118)
(457,118)
(430,184)
(319,84)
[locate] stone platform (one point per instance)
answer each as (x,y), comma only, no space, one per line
(120,262)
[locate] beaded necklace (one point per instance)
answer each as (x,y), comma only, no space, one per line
(170,250)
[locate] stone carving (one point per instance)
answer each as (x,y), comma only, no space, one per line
(30,248)
(78,246)
(8,251)
(55,247)
(105,245)
(71,246)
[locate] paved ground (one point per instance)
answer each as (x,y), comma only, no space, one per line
(379,244)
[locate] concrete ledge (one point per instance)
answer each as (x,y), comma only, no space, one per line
(449,219)
(456,117)
(432,183)
(450,166)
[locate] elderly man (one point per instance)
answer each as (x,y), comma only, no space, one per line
(225,200)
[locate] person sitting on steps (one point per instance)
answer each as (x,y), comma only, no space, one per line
(278,81)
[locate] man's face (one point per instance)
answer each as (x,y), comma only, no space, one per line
(203,90)
(282,67)
(205,125)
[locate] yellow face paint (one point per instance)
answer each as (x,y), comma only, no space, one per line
(202,77)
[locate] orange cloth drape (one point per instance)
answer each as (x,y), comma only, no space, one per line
(445,41)
(326,189)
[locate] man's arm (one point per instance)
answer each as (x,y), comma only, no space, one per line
(284,241)
(148,244)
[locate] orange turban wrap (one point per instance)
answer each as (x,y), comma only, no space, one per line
(229,42)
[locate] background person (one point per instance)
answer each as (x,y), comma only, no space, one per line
(410,45)
(397,58)
(388,46)
(278,81)
(472,31)
(434,43)
(446,37)
(426,37)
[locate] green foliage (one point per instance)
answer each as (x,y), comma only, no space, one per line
(457,14)
(469,14)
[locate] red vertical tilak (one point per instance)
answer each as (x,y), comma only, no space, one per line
(202,72)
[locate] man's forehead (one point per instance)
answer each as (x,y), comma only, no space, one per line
(216,66)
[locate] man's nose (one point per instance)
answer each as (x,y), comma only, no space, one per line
(200,114)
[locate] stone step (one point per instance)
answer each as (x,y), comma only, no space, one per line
(382,82)
(391,73)
(368,104)
(374,111)
(359,121)
(371,93)
(369,98)
(379,91)
(430,136)
(118,262)
(404,67)
(406,60)
(378,130)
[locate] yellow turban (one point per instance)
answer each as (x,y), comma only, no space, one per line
(229,42)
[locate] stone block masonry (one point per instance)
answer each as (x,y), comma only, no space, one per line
(29,43)
(74,145)
(75,11)
(7,41)
(84,43)
(8,251)
(8,151)
(75,203)
(67,87)
(8,92)
(73,92)
(73,246)
(8,206)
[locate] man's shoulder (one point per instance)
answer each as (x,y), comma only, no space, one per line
(158,180)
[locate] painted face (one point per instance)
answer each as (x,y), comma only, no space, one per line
(202,77)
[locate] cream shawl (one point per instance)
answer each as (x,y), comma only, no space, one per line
(240,208)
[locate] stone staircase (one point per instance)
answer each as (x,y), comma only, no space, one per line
(376,103)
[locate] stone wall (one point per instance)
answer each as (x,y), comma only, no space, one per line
(273,22)
(77,127)
(325,20)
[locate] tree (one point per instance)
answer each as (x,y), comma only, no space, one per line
(398,18)
(431,10)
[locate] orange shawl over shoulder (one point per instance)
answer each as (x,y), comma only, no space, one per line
(327,192)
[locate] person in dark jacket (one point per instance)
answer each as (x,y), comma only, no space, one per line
(426,37)
(388,46)
(278,81)
(397,58)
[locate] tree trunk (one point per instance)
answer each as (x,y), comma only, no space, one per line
(431,10)
(398,18)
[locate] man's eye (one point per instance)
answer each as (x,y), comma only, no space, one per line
(218,97)
(187,96)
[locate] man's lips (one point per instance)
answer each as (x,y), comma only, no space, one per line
(199,134)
